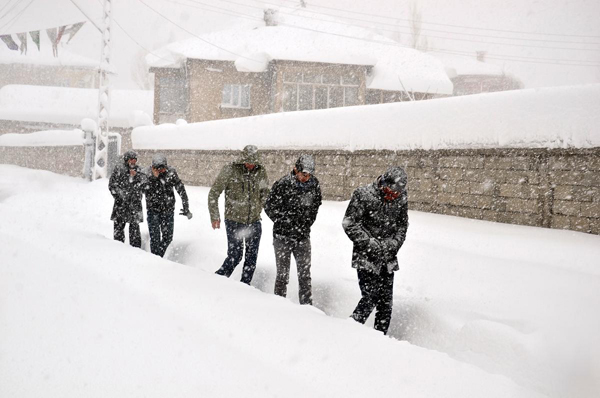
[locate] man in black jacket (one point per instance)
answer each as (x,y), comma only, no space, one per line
(125,185)
(376,221)
(160,203)
(293,204)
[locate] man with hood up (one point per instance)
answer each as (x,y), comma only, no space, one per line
(376,221)
(160,203)
(246,188)
(293,204)
(125,185)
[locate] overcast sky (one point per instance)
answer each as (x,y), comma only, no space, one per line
(543,43)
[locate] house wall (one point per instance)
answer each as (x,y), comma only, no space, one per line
(48,75)
(298,68)
(476,84)
(207,79)
(160,115)
(557,188)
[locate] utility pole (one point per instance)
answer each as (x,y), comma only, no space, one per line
(101,156)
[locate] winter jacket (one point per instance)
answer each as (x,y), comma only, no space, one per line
(376,227)
(127,191)
(160,196)
(293,207)
(245,192)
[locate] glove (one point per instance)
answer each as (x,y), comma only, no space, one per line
(388,248)
(187,213)
(374,248)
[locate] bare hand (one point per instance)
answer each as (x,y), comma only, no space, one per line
(155,172)
(132,172)
(216,224)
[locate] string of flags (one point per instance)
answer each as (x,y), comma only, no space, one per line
(54,34)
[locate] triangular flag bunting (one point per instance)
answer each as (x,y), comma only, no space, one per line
(23,39)
(35,36)
(10,43)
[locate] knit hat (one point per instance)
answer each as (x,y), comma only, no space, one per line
(305,164)
(129,155)
(394,178)
(159,161)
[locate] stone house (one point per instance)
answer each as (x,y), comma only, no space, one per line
(270,69)
(475,76)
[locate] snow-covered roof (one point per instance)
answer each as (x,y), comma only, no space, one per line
(71,105)
(394,67)
(457,65)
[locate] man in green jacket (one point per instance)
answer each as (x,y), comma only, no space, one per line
(246,188)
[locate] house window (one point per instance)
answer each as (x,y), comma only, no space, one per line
(309,90)
(236,96)
(172,98)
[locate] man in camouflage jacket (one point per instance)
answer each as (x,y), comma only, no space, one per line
(246,188)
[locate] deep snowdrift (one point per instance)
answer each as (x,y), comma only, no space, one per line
(483,309)
(561,117)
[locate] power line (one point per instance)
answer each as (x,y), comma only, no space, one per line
(85,15)
(16,17)
(228,11)
(6,5)
(202,39)
(407,27)
(441,24)
(433,49)
(501,57)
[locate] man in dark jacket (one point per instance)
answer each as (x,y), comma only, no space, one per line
(125,185)
(293,204)
(246,188)
(160,203)
(376,221)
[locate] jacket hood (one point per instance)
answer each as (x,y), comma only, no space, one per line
(394,178)
(250,155)
(159,160)
(129,155)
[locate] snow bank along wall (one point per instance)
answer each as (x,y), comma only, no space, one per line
(554,188)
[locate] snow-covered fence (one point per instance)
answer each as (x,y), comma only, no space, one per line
(554,188)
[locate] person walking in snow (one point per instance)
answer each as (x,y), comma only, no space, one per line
(292,205)
(125,185)
(246,188)
(376,222)
(160,203)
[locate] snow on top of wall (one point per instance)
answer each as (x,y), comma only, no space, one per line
(44,138)
(560,117)
(295,39)
(71,105)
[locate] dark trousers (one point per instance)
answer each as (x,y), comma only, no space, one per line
(160,226)
(377,292)
(135,237)
(301,251)
(241,237)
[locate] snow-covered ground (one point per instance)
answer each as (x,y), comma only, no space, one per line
(481,309)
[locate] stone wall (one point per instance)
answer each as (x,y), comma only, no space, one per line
(553,188)
(67,160)
(556,188)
